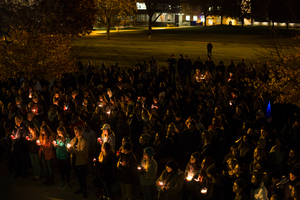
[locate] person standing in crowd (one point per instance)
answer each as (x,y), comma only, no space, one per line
(105,163)
(108,136)
(47,152)
(239,187)
(79,154)
(147,170)
(34,151)
(209,48)
(172,67)
(63,157)
(170,182)
(259,191)
(19,147)
(127,167)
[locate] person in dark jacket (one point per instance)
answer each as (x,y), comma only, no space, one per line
(170,182)
(34,151)
(19,147)
(105,164)
(213,183)
(127,167)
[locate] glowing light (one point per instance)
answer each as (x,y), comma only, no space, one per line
(189,177)
(204,190)
(68,145)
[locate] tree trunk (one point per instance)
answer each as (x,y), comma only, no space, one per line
(287,25)
(242,21)
(107,31)
(204,20)
(273,25)
(150,26)
(221,19)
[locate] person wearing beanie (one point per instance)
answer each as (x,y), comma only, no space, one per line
(170,182)
(147,170)
(127,166)
(192,172)
(213,184)
(238,188)
(259,191)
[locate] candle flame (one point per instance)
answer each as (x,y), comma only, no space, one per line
(204,190)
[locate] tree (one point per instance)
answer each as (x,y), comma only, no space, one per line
(204,4)
(284,72)
(37,36)
(159,6)
(115,13)
(239,9)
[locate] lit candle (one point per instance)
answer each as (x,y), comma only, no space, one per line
(189,177)
(12,137)
(27,137)
(108,112)
(68,145)
(118,153)
(139,168)
(38,142)
(65,107)
(30,95)
(99,140)
(160,183)
(204,190)
(94,159)
(230,103)
(33,110)
(54,142)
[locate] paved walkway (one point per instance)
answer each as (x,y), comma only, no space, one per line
(27,189)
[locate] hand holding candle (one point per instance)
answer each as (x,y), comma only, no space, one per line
(68,145)
(38,142)
(54,143)
(99,140)
(12,137)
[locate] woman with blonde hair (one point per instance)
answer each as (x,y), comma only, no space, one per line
(105,163)
(47,152)
(63,156)
(34,151)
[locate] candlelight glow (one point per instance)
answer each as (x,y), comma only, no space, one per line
(54,142)
(189,177)
(139,168)
(27,137)
(68,145)
(204,190)
(99,140)
(160,183)
(108,112)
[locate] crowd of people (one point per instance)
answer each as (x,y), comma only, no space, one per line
(191,130)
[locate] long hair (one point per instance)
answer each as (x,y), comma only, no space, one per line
(35,130)
(63,130)
(48,133)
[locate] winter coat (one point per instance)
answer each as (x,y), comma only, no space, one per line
(175,184)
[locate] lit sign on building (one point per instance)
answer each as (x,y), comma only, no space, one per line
(141,6)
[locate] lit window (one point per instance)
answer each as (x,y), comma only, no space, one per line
(187,18)
(195,18)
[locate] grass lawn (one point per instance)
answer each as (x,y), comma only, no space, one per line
(128,46)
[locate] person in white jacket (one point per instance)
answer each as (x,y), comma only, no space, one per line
(259,192)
